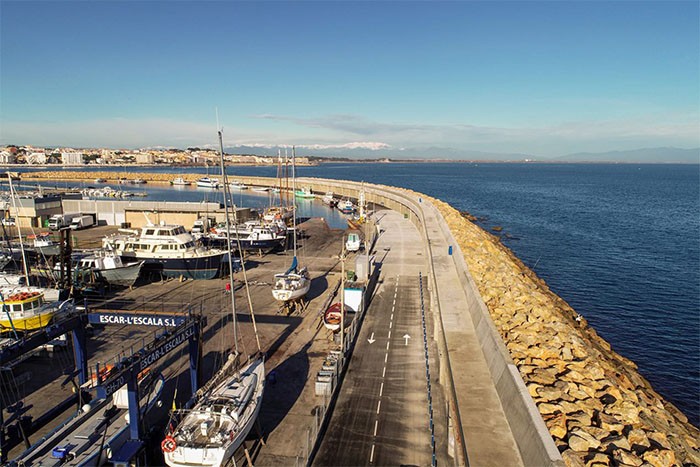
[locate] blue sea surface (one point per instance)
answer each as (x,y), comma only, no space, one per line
(620,243)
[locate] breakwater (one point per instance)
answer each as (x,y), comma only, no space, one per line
(597,407)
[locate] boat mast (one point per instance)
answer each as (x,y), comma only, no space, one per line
(227,192)
(342,300)
(19,231)
(294,200)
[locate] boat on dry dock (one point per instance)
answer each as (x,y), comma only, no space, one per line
(210,433)
(111,268)
(26,308)
(167,249)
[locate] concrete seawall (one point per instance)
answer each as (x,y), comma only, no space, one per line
(561,387)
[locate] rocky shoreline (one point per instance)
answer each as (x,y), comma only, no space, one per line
(598,408)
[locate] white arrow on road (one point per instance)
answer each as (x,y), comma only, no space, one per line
(371,339)
(407,337)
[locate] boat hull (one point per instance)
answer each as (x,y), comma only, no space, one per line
(286,295)
(125,276)
(198,268)
(28,324)
(211,456)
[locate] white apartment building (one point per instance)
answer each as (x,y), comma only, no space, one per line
(36,157)
(6,157)
(72,158)
(145,158)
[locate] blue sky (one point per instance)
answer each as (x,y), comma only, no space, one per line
(541,78)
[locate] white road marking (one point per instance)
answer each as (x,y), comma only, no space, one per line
(381,389)
(376,423)
(384,371)
(387,344)
(379,404)
(371,455)
(391,323)
(386,356)
(387,348)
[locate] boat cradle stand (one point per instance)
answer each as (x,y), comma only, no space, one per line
(292,307)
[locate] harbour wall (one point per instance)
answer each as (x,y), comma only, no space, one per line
(545,361)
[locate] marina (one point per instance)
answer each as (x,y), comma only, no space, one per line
(403,280)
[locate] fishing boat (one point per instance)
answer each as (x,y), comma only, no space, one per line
(167,249)
(295,282)
(43,245)
(249,236)
(236,185)
(112,268)
(206,182)
(304,192)
(346,206)
(179,181)
(278,213)
(329,199)
(332,316)
(225,409)
(95,432)
(26,308)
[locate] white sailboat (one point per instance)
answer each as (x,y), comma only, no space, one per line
(226,408)
(295,282)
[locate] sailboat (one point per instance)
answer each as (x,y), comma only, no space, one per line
(26,308)
(295,282)
(226,408)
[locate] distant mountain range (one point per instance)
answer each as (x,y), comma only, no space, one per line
(646,155)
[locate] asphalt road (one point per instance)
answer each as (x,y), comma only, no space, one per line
(381,416)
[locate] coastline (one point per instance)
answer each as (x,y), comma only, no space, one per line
(597,407)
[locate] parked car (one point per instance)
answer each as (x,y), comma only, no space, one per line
(8,221)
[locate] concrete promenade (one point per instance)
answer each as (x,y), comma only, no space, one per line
(487,434)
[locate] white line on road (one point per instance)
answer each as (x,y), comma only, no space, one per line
(371,455)
(387,344)
(379,404)
(387,347)
(381,389)
(392,317)
(376,423)
(384,371)
(391,323)
(386,356)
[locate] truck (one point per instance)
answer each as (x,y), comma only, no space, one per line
(82,222)
(61,220)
